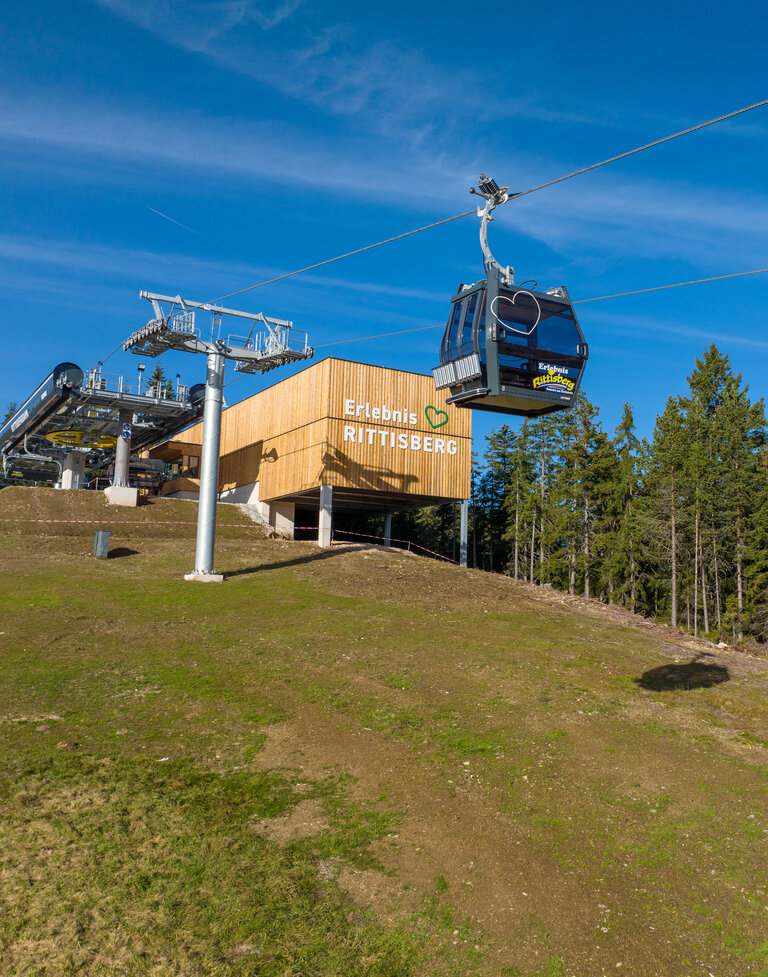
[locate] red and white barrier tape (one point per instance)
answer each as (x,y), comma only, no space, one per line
(392,539)
(136,522)
(223,525)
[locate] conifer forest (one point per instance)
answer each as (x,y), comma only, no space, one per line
(674,528)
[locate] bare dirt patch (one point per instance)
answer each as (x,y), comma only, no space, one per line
(46,717)
(304,821)
(451,829)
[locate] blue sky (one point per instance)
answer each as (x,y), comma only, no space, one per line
(285,132)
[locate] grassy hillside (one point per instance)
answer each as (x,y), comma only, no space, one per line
(359,762)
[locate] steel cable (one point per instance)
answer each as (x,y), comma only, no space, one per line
(467,213)
(512,196)
(599,298)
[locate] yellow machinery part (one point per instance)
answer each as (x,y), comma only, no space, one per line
(73,438)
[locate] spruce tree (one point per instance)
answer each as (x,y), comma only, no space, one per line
(492,489)
(718,422)
(755,616)
(622,534)
(743,506)
(661,512)
(545,441)
(159,382)
(589,454)
(517,503)
(563,516)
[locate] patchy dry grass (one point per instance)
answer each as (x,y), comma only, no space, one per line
(358,762)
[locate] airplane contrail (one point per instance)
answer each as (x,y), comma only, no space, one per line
(178,223)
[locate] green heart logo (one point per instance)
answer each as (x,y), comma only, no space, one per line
(437,418)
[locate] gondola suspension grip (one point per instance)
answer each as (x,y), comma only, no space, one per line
(506,273)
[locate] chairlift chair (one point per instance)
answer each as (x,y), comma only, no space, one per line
(507,348)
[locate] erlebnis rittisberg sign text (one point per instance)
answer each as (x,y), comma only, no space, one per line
(361,433)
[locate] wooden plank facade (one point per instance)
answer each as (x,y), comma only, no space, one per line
(373,433)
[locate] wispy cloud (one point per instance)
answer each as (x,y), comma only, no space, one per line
(387,86)
(183,271)
(281,12)
(647,219)
(597,218)
(76,279)
(331,65)
(191,24)
(196,24)
(256,151)
(640,325)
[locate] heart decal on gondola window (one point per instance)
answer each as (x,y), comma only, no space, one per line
(505,325)
(437,417)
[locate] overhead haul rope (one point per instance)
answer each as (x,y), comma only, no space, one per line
(467,213)
(599,298)
(640,149)
(104,360)
(349,254)
(512,196)
(659,288)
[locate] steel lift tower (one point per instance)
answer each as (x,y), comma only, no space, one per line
(173,327)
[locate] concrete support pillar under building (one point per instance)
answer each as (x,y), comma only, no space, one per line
(388,529)
(282,517)
(72,470)
(325,517)
(463,532)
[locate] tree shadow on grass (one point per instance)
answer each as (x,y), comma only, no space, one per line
(297,561)
(695,674)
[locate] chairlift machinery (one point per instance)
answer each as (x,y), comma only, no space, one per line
(76,413)
(48,399)
(509,348)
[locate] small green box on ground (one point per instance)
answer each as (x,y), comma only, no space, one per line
(101,545)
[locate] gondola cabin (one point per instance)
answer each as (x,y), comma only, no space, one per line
(511,350)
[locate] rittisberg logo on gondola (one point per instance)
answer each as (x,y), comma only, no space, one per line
(555,378)
(361,433)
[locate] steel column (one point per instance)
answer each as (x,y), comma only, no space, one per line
(463,532)
(388,529)
(209,464)
(123,448)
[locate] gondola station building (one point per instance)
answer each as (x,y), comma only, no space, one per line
(338,435)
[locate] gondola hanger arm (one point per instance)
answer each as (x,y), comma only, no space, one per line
(493,195)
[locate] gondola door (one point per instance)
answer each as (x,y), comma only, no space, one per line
(492,334)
